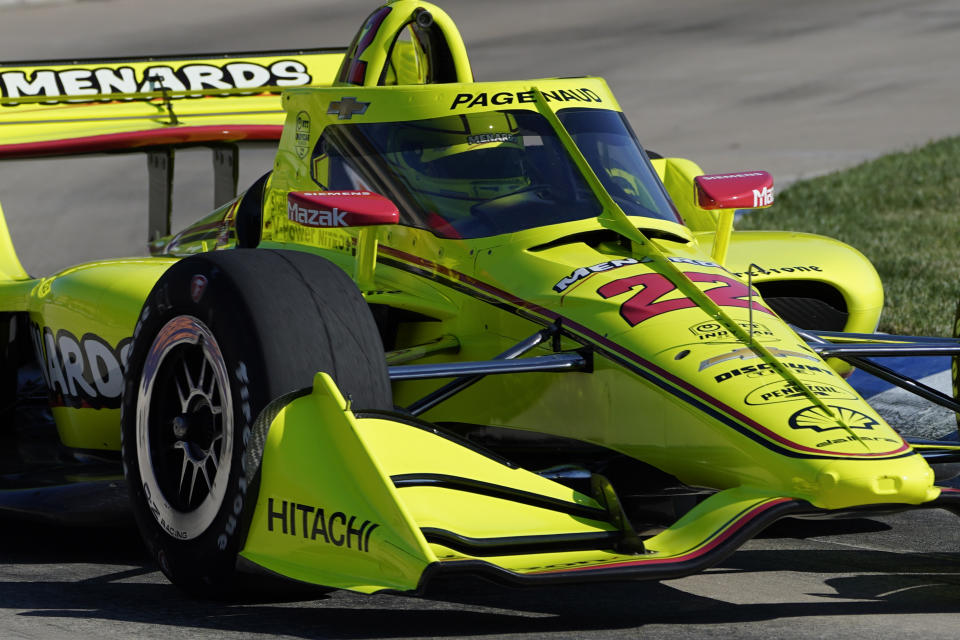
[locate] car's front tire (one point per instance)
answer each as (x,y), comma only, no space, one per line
(220,336)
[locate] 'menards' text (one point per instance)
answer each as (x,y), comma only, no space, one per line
(78,82)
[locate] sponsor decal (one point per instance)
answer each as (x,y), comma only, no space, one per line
(765,271)
(315,217)
(763,197)
(827,443)
(81,372)
(80,82)
(727,176)
(484,138)
(233,517)
(240,373)
(683,392)
(198,284)
(584,272)
(746,353)
(766,369)
(349,194)
(295,233)
(332,239)
(346,108)
(682,260)
(172,531)
(301,134)
(716,332)
(783,391)
(314,523)
(470,100)
(817,419)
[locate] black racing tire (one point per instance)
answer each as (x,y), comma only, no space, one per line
(221,335)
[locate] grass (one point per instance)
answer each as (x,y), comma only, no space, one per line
(903,212)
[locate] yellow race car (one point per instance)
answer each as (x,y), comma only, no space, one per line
(457,327)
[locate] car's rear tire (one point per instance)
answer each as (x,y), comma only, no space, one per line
(220,336)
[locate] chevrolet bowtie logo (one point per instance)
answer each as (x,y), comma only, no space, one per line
(346,107)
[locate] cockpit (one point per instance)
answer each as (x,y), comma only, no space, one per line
(492,172)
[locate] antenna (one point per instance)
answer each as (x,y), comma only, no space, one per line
(156,81)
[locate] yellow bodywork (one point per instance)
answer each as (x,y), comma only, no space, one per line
(692,374)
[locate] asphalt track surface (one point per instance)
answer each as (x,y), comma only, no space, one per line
(795,88)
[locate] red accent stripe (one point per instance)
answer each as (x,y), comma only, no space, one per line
(133,140)
(455,275)
(725,535)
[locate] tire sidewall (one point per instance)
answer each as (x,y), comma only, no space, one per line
(211,556)
(278,317)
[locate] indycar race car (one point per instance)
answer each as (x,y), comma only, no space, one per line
(457,328)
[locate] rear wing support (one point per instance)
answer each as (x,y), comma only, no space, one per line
(160,165)
(225,173)
(160,194)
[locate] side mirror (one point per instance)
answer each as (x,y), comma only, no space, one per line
(332,209)
(747,190)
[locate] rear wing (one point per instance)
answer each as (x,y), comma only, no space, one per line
(155,105)
(89,106)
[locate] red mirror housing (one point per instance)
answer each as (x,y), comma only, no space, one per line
(329,209)
(747,190)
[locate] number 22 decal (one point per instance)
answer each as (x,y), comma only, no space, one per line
(646,303)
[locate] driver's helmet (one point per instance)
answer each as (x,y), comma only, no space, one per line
(460,160)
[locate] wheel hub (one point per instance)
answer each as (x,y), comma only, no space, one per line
(180,427)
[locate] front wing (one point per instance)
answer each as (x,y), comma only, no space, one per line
(373,502)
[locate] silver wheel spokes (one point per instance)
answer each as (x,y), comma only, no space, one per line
(185,437)
(198,395)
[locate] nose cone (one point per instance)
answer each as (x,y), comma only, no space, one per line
(844,483)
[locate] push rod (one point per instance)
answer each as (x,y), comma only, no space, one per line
(831,350)
(456,386)
(557,362)
(821,346)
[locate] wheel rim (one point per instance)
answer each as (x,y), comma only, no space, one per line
(184,428)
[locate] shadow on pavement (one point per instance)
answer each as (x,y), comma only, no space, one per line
(104,574)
